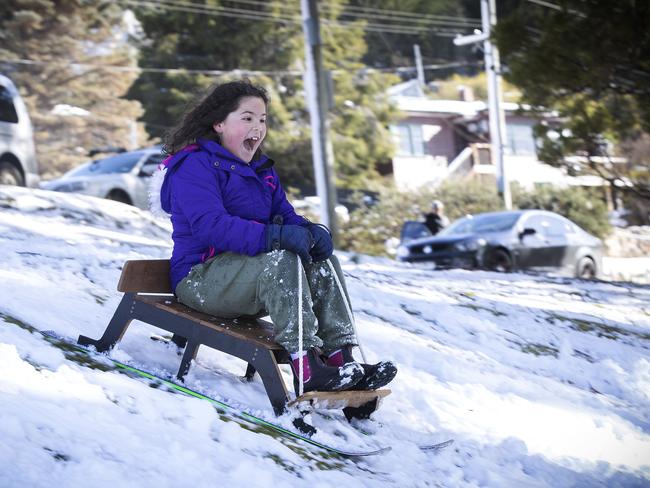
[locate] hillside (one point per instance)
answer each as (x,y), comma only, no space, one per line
(541,381)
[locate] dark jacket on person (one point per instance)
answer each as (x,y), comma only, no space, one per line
(435,222)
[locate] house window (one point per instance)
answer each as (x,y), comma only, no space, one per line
(411,140)
(521,141)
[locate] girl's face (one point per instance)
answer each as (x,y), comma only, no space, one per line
(244,129)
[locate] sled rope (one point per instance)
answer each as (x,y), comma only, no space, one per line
(300,345)
(347,308)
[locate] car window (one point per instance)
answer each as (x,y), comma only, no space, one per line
(537,222)
(151,164)
(414,230)
(556,227)
(122,163)
(7,108)
(548,225)
(482,223)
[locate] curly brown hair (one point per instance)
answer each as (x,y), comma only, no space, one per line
(198,121)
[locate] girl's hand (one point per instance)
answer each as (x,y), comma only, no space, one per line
(294,238)
(323,246)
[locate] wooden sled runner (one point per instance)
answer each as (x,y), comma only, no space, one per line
(148,297)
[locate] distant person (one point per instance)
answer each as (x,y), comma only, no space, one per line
(240,249)
(436,220)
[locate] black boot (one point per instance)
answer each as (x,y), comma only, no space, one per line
(374,375)
(320,377)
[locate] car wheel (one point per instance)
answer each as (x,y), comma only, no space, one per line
(10,175)
(586,269)
(499,260)
(119,196)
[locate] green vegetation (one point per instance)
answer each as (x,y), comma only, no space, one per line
(449,88)
(360,114)
(584,61)
(588,62)
(52,39)
(370,226)
(585,207)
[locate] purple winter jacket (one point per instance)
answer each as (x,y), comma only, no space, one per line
(218,204)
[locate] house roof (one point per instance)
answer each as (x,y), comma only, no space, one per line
(423,105)
(428,106)
(409,97)
(410,88)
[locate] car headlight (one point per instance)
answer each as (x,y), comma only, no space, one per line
(470,245)
(402,251)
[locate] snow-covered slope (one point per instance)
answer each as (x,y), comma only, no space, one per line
(541,381)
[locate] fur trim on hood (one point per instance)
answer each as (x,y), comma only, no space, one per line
(157,181)
(155,185)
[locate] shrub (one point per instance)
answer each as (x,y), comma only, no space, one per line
(371,226)
(585,207)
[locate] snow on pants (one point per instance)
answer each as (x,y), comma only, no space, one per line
(233,285)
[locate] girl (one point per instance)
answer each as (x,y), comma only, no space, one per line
(240,249)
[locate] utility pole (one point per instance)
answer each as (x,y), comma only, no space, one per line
(495,103)
(418,64)
(317,100)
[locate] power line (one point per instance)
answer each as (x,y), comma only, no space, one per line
(553,6)
(358,11)
(213,11)
(137,69)
(413,30)
(364,12)
(417,25)
(348,10)
(259,15)
(545,4)
(242,72)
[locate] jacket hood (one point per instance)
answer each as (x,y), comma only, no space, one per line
(160,188)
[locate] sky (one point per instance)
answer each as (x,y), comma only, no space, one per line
(540,380)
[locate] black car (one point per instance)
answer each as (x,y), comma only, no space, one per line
(506,241)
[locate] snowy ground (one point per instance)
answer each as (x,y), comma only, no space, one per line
(636,270)
(541,381)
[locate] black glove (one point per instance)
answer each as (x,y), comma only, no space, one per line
(323,246)
(293,238)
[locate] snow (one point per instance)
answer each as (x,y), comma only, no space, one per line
(541,381)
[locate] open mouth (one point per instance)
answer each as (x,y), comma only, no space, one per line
(251,142)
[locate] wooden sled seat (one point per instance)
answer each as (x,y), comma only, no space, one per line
(148,297)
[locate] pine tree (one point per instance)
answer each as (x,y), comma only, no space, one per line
(55,52)
(273,43)
(590,62)
(396,25)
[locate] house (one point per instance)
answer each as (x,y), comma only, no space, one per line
(439,140)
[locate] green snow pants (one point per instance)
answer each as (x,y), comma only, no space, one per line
(233,285)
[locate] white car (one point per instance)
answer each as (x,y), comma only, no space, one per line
(123,177)
(18,165)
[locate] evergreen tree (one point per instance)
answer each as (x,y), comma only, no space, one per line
(361,113)
(590,62)
(396,25)
(372,226)
(54,51)
(271,42)
(585,207)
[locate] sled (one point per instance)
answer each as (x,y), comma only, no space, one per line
(148,297)
(338,399)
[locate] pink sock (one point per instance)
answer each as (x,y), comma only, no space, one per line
(335,359)
(306,371)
